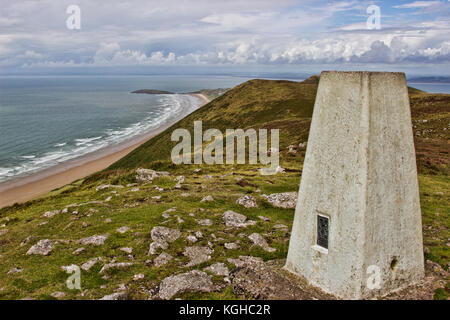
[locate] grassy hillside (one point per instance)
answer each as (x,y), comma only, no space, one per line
(142,206)
(254,104)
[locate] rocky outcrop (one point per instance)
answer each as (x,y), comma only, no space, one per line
(162,259)
(108,186)
(193,281)
(88,265)
(161,237)
(50,214)
(219,269)
(258,240)
(237,220)
(197,255)
(96,240)
(247,201)
(122,295)
(147,175)
(253,278)
(43,247)
(116,265)
(282,200)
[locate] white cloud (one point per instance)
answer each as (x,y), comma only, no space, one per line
(235,32)
(417,4)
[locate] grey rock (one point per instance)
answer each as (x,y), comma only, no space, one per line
(78,251)
(88,265)
(50,214)
(282,200)
(191,238)
(231,245)
(234,219)
(116,265)
(199,234)
(58,294)
(258,240)
(126,250)
(219,269)
(162,259)
(95,240)
(123,295)
(154,246)
(108,186)
(281,227)
(27,240)
(247,201)
(208,198)
(161,237)
(15,270)
(43,247)
(193,281)
(253,278)
(204,222)
(123,229)
(197,255)
(147,175)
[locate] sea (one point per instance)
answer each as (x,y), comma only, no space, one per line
(48,120)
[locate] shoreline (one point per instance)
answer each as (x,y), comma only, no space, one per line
(29,187)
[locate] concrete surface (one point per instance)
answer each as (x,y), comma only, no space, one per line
(360,172)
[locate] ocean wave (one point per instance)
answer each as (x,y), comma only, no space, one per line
(169,106)
(60,144)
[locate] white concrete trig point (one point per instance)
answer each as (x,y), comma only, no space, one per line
(357,231)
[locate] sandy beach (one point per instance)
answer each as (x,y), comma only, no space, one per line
(23,189)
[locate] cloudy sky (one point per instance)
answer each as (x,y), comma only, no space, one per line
(234,34)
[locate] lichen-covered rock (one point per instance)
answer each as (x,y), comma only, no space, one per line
(122,295)
(258,240)
(15,270)
(219,269)
(231,245)
(43,247)
(191,238)
(123,229)
(116,265)
(253,278)
(88,265)
(197,255)
(50,214)
(108,186)
(96,240)
(162,259)
(247,201)
(58,294)
(208,198)
(161,237)
(147,175)
(234,219)
(27,240)
(282,200)
(193,281)
(165,234)
(204,222)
